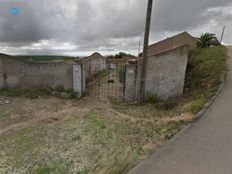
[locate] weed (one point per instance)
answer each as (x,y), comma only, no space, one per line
(197,105)
(58,168)
(152,98)
(59,88)
(44,170)
(32,93)
(167,104)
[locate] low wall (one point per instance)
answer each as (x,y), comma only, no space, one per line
(17,73)
(165,72)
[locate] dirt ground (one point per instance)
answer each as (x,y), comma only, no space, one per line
(52,135)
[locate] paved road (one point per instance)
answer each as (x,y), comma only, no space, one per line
(204,148)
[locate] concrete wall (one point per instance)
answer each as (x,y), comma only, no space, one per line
(165,73)
(25,74)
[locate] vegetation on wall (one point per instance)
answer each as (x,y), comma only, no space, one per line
(121,73)
(100,74)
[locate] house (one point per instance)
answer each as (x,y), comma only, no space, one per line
(172,42)
(93,64)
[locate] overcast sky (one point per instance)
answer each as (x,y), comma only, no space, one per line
(80,27)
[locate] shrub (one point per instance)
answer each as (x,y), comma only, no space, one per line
(60,88)
(152,98)
(167,104)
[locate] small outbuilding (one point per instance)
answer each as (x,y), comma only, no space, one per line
(93,64)
(172,42)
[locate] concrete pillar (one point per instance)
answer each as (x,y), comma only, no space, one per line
(130,83)
(78,79)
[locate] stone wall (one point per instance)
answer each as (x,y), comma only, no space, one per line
(16,73)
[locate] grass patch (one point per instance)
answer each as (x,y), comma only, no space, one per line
(197,105)
(159,103)
(152,98)
(53,169)
(59,88)
(27,93)
(37,92)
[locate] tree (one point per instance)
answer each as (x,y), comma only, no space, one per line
(120,55)
(208,40)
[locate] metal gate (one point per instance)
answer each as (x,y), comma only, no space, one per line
(108,84)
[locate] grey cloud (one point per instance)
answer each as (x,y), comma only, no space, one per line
(176,15)
(101,24)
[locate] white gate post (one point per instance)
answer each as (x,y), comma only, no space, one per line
(78,79)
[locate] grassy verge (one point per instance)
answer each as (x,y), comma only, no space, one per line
(205,72)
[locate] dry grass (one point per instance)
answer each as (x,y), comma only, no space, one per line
(50,135)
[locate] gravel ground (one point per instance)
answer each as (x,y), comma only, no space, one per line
(51,135)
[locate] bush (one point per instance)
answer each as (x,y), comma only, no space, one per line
(167,104)
(99,75)
(60,88)
(152,98)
